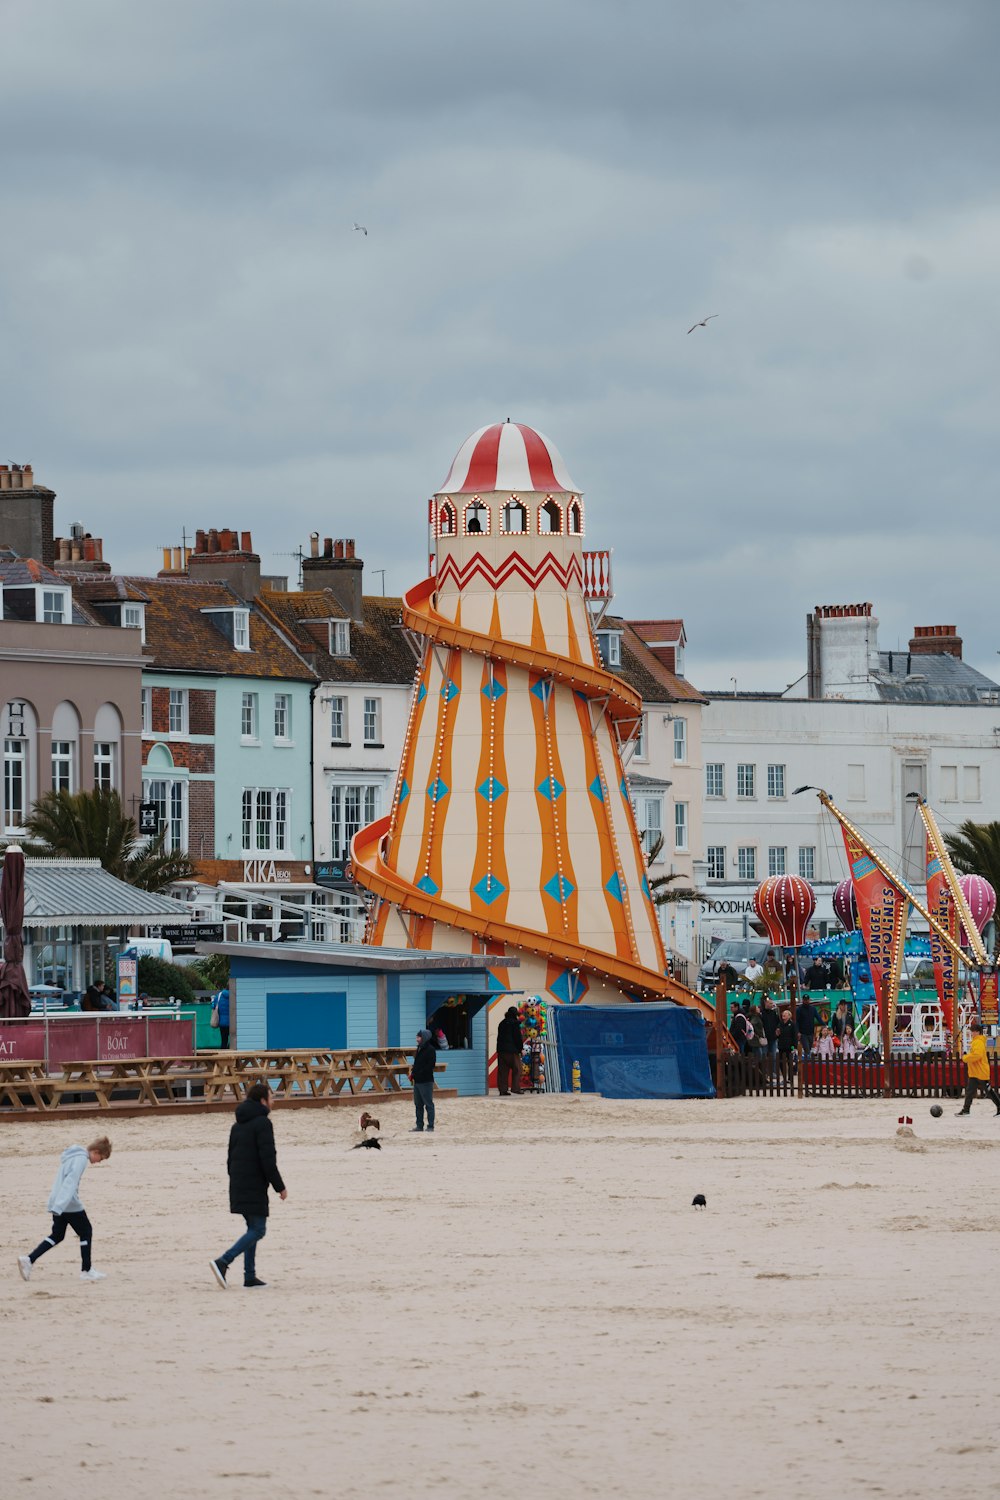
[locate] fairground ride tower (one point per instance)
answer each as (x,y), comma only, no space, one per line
(511,830)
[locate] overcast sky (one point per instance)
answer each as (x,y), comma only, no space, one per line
(194,335)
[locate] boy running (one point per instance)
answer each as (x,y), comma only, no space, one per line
(66,1209)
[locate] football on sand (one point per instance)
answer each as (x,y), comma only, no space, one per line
(937,1111)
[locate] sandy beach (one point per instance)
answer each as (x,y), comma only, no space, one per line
(523,1303)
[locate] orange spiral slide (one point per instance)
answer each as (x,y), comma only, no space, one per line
(372,871)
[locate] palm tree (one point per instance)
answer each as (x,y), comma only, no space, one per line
(662,890)
(94,825)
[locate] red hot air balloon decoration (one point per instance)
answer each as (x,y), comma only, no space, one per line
(785,904)
(845,905)
(982,899)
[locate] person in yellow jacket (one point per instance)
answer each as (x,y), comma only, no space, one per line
(978,1067)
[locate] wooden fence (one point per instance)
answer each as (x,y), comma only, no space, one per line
(210,1079)
(918,1075)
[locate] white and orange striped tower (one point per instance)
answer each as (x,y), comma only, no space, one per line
(511,830)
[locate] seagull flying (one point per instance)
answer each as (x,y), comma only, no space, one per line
(703,324)
(363,230)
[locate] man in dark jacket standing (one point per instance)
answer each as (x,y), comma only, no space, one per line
(510,1046)
(422,1078)
(252,1165)
(805,1022)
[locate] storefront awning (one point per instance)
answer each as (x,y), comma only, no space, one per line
(80,893)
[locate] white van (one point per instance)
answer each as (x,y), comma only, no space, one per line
(148,948)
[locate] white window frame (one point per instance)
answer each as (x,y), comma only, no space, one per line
(746,776)
(146,709)
(776,780)
(250,719)
(807,861)
(640,751)
(680,741)
(56,605)
(266,820)
(241,630)
(681,827)
(134,618)
(16,754)
(353,805)
(609,643)
(746,862)
(649,814)
(777,859)
(170,796)
(338,720)
(340,637)
(372,721)
(105,765)
(710,768)
(177,712)
(283,718)
(64,765)
(715,855)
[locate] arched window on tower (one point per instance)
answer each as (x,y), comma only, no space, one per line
(446,519)
(574,517)
(550,518)
(477,518)
(515,517)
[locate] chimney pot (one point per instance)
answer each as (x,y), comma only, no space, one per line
(75,552)
(338,550)
(88,549)
(15,476)
(349,548)
(176,560)
(200,544)
(246,541)
(99,548)
(327,547)
(29,477)
(166,559)
(314,544)
(213,540)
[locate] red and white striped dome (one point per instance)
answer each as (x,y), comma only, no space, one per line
(510,457)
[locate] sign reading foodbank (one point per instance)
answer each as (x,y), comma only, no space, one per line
(882,913)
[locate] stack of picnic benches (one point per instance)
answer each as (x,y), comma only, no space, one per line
(212,1080)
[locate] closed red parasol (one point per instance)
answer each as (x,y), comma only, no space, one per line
(14,997)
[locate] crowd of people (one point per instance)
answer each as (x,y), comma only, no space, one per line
(765,1029)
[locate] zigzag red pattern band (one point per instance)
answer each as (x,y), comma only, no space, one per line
(513,566)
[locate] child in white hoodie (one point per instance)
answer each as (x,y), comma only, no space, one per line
(66,1209)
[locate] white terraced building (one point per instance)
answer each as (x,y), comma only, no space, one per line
(869,727)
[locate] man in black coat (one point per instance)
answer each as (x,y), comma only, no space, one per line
(252,1164)
(806,1020)
(510,1046)
(422,1078)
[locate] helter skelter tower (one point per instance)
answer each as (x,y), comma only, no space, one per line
(511,830)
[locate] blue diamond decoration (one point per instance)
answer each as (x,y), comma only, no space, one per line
(582,696)
(492,789)
(448,690)
(596,789)
(494,689)
(623,786)
(570,988)
(437,790)
(559,888)
(489,888)
(645,888)
(614,887)
(542,689)
(493,982)
(404,790)
(551,788)
(427,885)
(422,692)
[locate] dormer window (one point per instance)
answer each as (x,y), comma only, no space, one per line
(234,624)
(340,637)
(515,517)
(609,643)
(134,618)
(51,606)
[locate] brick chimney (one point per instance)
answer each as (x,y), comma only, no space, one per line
(80,552)
(936,640)
(26,512)
(335,568)
(221,557)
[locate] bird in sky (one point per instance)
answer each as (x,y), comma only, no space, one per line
(703,324)
(362,228)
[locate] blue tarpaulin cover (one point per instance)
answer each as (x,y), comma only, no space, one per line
(647,1051)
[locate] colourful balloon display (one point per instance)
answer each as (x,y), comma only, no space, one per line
(982,899)
(845,906)
(785,904)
